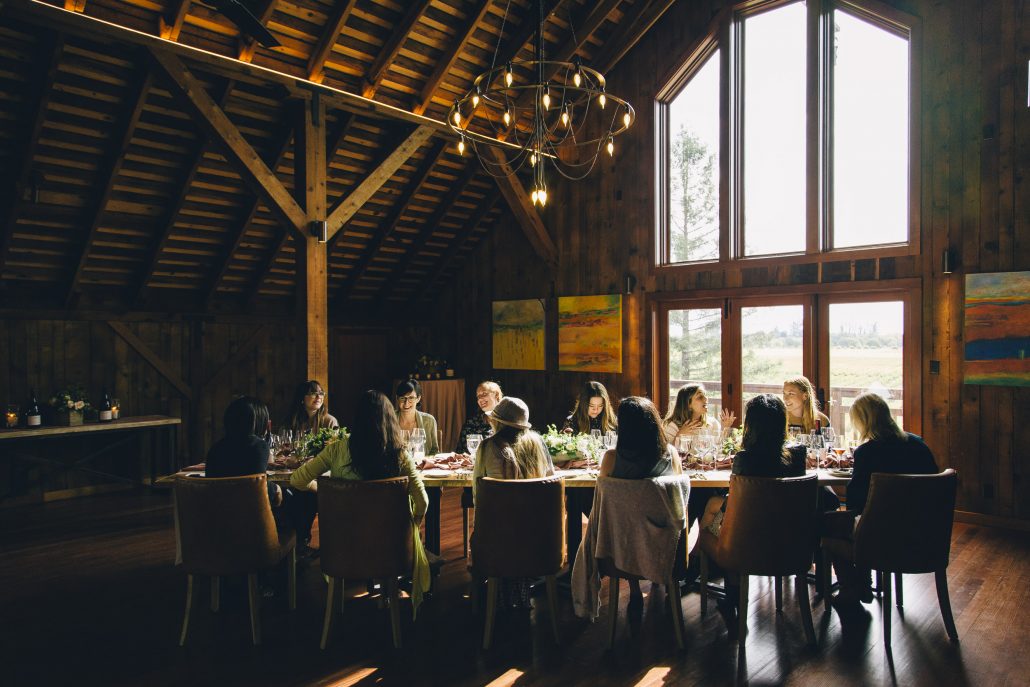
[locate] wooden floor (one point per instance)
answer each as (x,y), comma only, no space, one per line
(88,595)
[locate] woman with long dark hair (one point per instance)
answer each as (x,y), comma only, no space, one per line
(642,451)
(309,410)
(593,410)
(243,450)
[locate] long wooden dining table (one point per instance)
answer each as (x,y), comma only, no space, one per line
(436,480)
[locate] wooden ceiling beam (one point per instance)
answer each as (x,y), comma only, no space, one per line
(330,34)
(447,60)
(248,164)
(248,44)
(393,45)
(393,219)
(426,231)
(107,173)
(38,91)
(169,24)
(466,232)
(348,206)
(521,206)
(167,222)
(631,30)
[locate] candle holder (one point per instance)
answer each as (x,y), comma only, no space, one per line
(116,408)
(11,418)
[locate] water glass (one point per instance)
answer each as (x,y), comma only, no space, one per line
(611,439)
(828,435)
(472,442)
(418,450)
(418,434)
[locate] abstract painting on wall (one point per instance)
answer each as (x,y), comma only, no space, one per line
(518,334)
(997,329)
(590,333)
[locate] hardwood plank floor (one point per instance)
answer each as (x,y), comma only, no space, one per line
(88,595)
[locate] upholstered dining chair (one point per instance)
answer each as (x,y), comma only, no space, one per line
(770,528)
(904,528)
(519,532)
(365,533)
(225,527)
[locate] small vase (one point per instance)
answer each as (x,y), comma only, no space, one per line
(71,418)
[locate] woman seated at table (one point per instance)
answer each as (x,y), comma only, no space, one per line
(514,451)
(488,395)
(409,395)
(764,453)
(243,450)
(802,407)
(886,449)
(374,449)
(593,410)
(689,415)
(309,411)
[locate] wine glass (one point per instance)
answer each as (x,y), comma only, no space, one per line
(418,434)
(795,433)
(611,439)
(840,449)
(828,435)
(472,442)
(418,450)
(703,443)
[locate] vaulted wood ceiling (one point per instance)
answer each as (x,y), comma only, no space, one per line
(113,194)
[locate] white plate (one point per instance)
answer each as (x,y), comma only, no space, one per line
(841,473)
(194,474)
(436,472)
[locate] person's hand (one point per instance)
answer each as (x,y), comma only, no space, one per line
(278,500)
(728,418)
(691,425)
(567,430)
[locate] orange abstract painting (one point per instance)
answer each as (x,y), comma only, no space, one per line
(590,333)
(997,331)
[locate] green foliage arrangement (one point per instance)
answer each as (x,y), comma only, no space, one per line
(313,442)
(72,397)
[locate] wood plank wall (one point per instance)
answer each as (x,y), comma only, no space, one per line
(974,199)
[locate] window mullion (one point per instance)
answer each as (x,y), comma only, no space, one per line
(817,82)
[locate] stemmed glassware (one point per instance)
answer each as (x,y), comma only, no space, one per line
(611,439)
(472,442)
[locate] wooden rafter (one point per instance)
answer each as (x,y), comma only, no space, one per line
(108,172)
(521,206)
(248,164)
(167,222)
(330,34)
(631,30)
(170,23)
(466,232)
(393,45)
(349,205)
(277,153)
(151,357)
(247,43)
(334,139)
(37,98)
(75,5)
(447,60)
(393,219)
(426,231)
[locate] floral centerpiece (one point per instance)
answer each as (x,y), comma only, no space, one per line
(731,444)
(69,404)
(313,442)
(428,367)
(564,446)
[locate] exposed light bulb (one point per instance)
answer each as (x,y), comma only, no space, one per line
(508,76)
(532,160)
(577,79)
(625,119)
(602,100)
(535,196)
(507,118)
(461,146)
(543,197)
(611,147)
(547,100)
(475,100)
(565,117)
(457,118)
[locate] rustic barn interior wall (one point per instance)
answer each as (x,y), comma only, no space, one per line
(975,162)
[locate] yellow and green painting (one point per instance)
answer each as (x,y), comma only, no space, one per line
(518,328)
(997,331)
(590,333)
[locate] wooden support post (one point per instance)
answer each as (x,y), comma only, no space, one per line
(312,277)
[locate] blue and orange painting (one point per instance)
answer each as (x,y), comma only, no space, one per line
(590,333)
(997,329)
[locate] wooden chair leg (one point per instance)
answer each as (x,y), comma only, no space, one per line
(885,609)
(329,604)
(613,609)
(395,610)
(465,532)
(292,579)
(801,590)
(676,606)
(491,611)
(475,591)
(827,565)
(189,603)
(778,592)
(216,588)
(944,599)
(742,608)
(255,608)
(879,582)
(704,584)
(899,590)
(552,603)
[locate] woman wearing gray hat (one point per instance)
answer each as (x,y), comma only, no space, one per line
(514,451)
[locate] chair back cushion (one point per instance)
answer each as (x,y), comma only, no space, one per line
(519,527)
(364,527)
(906,524)
(226,525)
(770,527)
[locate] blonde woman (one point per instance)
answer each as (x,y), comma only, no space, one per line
(488,395)
(688,415)
(802,406)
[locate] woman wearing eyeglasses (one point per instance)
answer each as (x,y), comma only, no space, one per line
(409,394)
(309,411)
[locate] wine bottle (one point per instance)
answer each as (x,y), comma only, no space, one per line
(33,418)
(105,408)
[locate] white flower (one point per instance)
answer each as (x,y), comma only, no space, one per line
(79,405)
(71,404)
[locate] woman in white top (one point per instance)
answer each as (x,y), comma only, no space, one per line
(689,415)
